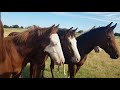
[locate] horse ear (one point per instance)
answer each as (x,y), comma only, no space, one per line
(108,26)
(75,30)
(93,27)
(51,28)
(69,30)
(113,27)
(57,26)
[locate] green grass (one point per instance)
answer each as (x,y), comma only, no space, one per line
(97,65)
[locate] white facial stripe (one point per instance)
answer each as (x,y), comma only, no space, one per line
(74,47)
(55,51)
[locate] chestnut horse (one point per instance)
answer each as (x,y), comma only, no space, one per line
(15,50)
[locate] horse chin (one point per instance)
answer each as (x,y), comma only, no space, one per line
(73,60)
(114,57)
(55,59)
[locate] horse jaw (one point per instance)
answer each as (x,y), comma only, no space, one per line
(55,50)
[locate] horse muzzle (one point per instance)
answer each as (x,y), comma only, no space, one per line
(116,56)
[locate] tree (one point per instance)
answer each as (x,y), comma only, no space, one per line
(21,27)
(6,26)
(15,26)
(80,31)
(117,34)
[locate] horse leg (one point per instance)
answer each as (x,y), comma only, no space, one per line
(33,70)
(42,73)
(58,68)
(52,68)
(80,63)
(6,75)
(68,71)
(16,75)
(72,70)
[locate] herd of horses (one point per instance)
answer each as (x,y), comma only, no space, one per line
(36,44)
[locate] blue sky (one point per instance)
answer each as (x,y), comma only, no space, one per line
(82,20)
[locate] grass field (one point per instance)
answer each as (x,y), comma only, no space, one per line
(97,65)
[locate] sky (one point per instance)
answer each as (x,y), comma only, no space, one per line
(82,20)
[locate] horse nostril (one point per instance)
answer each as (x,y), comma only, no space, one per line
(77,60)
(116,55)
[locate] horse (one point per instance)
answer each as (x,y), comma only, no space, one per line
(102,37)
(15,50)
(69,47)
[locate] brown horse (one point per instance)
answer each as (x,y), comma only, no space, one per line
(102,37)
(69,46)
(15,50)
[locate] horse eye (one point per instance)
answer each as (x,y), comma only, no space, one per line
(109,38)
(54,44)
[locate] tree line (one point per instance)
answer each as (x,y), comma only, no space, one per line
(17,26)
(13,26)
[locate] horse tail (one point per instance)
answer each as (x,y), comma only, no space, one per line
(1,41)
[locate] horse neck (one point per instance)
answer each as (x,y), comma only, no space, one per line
(86,43)
(32,43)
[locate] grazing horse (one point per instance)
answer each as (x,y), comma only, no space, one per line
(15,50)
(70,51)
(102,37)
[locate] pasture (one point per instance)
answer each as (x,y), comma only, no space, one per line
(97,65)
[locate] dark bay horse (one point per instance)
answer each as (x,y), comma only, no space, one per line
(102,37)
(69,47)
(15,50)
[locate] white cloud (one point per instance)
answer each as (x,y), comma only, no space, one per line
(104,16)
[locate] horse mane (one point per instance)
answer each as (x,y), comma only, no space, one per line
(91,30)
(63,31)
(28,35)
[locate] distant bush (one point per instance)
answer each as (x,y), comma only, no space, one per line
(80,31)
(21,27)
(6,26)
(117,34)
(15,26)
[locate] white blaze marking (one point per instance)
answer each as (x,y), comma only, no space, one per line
(55,49)
(75,49)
